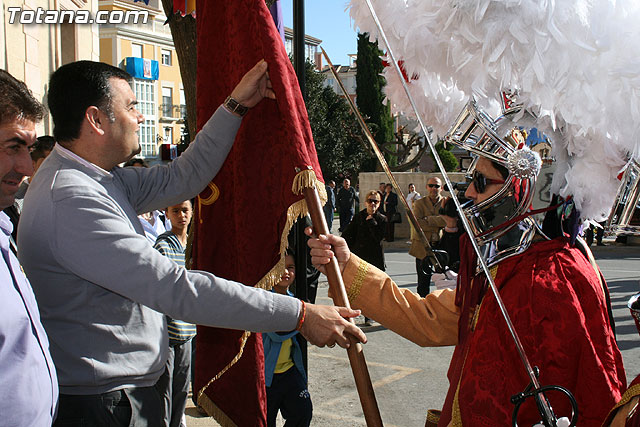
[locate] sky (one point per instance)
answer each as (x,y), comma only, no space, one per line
(328,21)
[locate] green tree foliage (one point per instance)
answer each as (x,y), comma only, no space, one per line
(369,95)
(449,161)
(338,140)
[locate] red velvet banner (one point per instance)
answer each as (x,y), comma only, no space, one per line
(242,217)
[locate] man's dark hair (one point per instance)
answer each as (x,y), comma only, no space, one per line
(42,147)
(75,87)
(136,161)
(17,101)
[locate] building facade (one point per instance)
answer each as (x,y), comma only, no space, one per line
(310,47)
(347,75)
(34,50)
(147,52)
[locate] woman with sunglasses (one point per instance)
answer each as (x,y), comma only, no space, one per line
(365,232)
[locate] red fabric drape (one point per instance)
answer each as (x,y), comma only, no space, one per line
(238,236)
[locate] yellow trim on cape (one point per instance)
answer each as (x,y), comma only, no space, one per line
(633,391)
(304,179)
(456,416)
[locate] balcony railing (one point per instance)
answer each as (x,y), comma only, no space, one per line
(173,111)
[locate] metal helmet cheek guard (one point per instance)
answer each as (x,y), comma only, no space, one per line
(504,143)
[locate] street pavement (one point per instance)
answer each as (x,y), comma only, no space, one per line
(409,379)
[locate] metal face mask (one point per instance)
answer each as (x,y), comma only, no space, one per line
(504,143)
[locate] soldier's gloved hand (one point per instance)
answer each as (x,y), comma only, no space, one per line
(446,280)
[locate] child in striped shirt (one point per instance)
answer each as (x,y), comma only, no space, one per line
(173,385)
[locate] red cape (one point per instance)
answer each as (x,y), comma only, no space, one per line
(558,308)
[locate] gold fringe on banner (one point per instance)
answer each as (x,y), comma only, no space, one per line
(215,412)
(303,179)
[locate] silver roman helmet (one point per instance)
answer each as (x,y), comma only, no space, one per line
(513,142)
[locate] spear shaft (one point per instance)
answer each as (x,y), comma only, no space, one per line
(433,260)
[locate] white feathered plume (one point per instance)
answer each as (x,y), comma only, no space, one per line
(575,63)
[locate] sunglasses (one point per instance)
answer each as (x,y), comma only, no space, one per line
(480,181)
(373,201)
(433,185)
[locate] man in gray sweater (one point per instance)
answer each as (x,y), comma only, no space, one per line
(100,285)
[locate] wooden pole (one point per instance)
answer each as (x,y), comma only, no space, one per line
(355,351)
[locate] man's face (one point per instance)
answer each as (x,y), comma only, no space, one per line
(38,163)
(346,184)
(388,188)
(434,187)
(16,139)
(122,132)
(486,168)
(412,188)
(382,187)
(180,215)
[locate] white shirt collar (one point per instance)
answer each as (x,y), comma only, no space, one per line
(5,224)
(68,154)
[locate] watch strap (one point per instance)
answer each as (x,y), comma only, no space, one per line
(235,107)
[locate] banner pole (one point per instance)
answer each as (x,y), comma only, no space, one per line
(336,285)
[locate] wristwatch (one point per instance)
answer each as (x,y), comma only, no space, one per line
(235,107)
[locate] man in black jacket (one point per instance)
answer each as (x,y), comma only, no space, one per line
(389,207)
(346,204)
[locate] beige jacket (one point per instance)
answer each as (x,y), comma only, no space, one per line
(431,223)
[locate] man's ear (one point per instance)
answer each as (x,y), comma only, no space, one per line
(96,119)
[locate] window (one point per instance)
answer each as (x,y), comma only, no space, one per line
(168,135)
(167,102)
(145,94)
(166,57)
(288,45)
(136,50)
(310,53)
(183,105)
